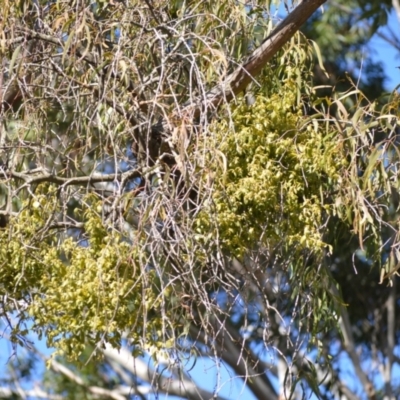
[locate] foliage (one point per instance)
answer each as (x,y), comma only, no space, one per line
(344,31)
(141,213)
(271,187)
(78,289)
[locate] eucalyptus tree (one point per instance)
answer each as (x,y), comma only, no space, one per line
(171,184)
(344,32)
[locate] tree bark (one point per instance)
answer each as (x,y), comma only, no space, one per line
(238,80)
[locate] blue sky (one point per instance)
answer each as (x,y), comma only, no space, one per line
(387,54)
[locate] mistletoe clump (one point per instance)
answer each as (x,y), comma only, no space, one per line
(271,173)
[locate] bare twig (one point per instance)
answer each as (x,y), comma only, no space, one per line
(175,387)
(235,351)
(391,335)
(351,349)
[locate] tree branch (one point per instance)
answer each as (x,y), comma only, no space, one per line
(36,393)
(237,81)
(97,391)
(233,84)
(175,387)
(391,334)
(79,180)
(233,349)
(244,74)
(396,6)
(345,325)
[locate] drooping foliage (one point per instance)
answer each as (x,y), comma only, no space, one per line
(133,208)
(344,31)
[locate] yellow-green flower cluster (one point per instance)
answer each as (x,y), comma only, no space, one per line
(80,296)
(271,185)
